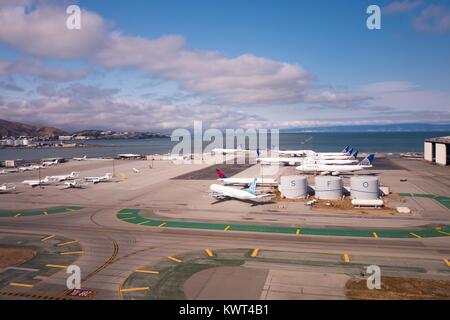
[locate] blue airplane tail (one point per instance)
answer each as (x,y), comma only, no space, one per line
(258,152)
(345,149)
(252,188)
(367,160)
(354,154)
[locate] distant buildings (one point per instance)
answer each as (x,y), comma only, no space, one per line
(12,142)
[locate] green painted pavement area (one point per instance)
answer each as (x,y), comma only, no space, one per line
(133,216)
(443,200)
(37,212)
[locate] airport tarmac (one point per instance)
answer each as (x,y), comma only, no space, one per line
(113,249)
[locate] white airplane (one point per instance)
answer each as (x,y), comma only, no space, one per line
(318,160)
(65,177)
(27,168)
(346,152)
(76,184)
(291,161)
(221,192)
(129,155)
(106,177)
(136,170)
(42,182)
(6,188)
(336,169)
(84,158)
(244,181)
(50,163)
(295,153)
(227,151)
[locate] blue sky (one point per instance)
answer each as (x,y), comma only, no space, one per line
(162,64)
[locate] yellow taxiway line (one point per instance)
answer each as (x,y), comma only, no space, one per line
(16,284)
(346,258)
(255,252)
(18,215)
(71,252)
(45,213)
(297,232)
(447,262)
(415,235)
(66,243)
(226,228)
(162,224)
(146,271)
(174,259)
(445,233)
(209,252)
(48,237)
(143,222)
(56,266)
(128,218)
(375,235)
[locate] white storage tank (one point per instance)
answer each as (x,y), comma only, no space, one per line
(294,187)
(328,187)
(364,187)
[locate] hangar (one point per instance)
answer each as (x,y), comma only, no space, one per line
(437,150)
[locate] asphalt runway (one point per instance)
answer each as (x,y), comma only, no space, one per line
(113,249)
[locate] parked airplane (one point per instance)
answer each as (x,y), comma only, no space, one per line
(64,177)
(84,158)
(221,192)
(244,181)
(335,169)
(291,161)
(296,153)
(76,184)
(106,177)
(50,163)
(136,170)
(227,151)
(27,168)
(42,182)
(6,188)
(347,151)
(318,160)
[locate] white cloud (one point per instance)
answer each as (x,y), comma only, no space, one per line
(245,79)
(43,31)
(37,68)
(386,86)
(401,6)
(86,107)
(434,18)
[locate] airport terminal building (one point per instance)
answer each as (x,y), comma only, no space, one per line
(437,150)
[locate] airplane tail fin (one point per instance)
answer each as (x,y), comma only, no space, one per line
(345,149)
(258,152)
(349,152)
(220,174)
(354,155)
(367,161)
(252,188)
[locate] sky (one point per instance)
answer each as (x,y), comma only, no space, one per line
(146,65)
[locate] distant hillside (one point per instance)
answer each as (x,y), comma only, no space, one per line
(17,129)
(400,127)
